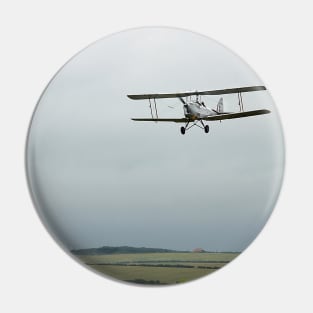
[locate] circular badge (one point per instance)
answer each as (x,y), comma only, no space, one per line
(155,156)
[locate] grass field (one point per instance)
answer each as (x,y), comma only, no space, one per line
(158,268)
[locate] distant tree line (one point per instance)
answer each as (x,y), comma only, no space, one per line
(128,250)
(121,250)
(145,282)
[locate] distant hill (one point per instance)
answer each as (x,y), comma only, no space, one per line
(121,250)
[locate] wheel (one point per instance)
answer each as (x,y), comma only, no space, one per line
(206,128)
(183,130)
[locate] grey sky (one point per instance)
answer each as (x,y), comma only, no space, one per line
(99,178)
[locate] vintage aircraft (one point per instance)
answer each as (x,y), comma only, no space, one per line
(195,110)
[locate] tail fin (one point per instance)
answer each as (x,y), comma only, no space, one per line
(219,107)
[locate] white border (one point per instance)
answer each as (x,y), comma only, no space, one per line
(39,37)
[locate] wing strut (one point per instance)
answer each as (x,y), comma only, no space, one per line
(150,108)
(240,102)
(155,107)
(154,111)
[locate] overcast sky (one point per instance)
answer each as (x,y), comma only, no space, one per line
(99,178)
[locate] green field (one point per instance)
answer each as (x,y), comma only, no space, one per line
(158,268)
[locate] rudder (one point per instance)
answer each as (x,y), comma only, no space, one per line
(219,107)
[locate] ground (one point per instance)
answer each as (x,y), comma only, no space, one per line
(158,268)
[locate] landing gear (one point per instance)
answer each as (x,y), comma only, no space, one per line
(205,127)
(195,123)
(183,129)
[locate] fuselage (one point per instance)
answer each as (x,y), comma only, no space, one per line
(197,110)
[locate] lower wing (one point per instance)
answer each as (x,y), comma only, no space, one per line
(227,116)
(217,117)
(175,120)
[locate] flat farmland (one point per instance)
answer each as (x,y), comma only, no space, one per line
(157,268)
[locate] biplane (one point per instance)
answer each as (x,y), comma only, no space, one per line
(195,110)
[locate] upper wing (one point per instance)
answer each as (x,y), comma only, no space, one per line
(176,120)
(232,90)
(227,116)
(185,94)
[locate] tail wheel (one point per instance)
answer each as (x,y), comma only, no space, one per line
(206,128)
(183,130)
